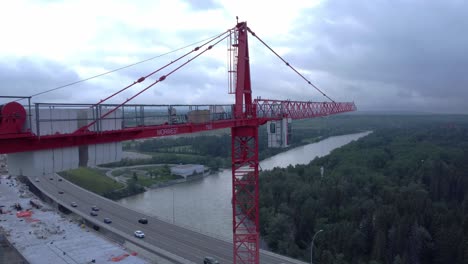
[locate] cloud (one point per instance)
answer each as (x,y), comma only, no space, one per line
(416,49)
(27,77)
(384,55)
(204,4)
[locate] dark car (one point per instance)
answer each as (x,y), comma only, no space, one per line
(210,260)
(61,192)
(59,179)
(107,220)
(95,208)
(93,213)
(143,221)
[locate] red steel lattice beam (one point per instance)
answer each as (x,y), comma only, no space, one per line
(300,110)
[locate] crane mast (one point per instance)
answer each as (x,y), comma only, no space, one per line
(245,190)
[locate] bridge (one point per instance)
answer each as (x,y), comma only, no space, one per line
(168,241)
(45,140)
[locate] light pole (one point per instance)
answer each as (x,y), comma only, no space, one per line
(312,245)
(173,210)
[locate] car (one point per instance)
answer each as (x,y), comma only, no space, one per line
(73,204)
(36,180)
(51,178)
(143,221)
(107,220)
(210,260)
(95,208)
(139,234)
(92,213)
(61,192)
(60,179)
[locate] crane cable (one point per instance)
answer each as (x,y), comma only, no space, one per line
(142,79)
(121,68)
(160,79)
(289,65)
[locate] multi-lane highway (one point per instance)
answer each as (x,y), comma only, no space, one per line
(185,243)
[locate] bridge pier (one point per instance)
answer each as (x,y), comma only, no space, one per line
(47,162)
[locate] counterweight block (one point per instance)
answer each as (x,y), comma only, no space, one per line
(12,118)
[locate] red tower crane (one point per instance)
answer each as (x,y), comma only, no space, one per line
(16,135)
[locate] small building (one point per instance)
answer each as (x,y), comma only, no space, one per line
(186,170)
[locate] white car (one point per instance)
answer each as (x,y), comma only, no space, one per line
(139,234)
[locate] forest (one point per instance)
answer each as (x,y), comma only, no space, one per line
(397,196)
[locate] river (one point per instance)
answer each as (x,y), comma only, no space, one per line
(205,204)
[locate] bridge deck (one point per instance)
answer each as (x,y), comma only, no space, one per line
(185,243)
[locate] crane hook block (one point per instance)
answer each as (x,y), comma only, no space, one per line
(12,118)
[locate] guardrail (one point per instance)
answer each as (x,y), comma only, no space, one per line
(53,118)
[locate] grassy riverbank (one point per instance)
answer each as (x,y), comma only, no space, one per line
(95,180)
(92,179)
(135,180)
(146,176)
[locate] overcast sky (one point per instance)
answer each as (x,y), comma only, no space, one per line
(384,55)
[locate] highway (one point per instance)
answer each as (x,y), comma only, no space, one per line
(185,243)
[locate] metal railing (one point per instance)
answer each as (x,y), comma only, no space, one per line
(53,118)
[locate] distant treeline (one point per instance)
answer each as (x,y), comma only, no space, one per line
(397,196)
(214,151)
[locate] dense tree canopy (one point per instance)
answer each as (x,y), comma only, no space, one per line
(399,195)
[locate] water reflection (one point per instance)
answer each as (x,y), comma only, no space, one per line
(205,204)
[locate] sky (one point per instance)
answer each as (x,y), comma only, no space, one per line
(384,55)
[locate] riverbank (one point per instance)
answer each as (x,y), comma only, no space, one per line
(213,152)
(154,174)
(120,182)
(205,204)
(123,174)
